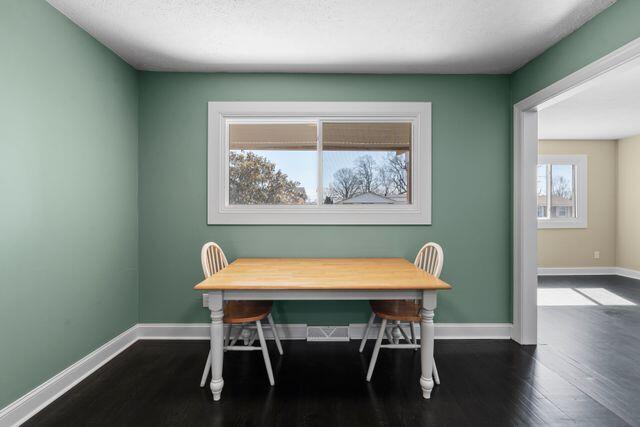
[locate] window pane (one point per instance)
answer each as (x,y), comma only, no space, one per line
(273,164)
(562,191)
(542,191)
(366,163)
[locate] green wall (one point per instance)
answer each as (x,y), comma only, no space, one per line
(68,186)
(611,29)
(471,192)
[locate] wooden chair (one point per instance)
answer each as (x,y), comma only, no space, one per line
(430,258)
(241,313)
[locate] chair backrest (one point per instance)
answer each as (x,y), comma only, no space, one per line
(430,258)
(213,259)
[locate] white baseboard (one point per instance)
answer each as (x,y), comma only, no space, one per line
(576,271)
(588,271)
(31,403)
(201,331)
(445,331)
(473,331)
(627,272)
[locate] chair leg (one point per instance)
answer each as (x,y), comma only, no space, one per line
(388,334)
(275,334)
(207,367)
(436,377)
(366,332)
(413,335)
(376,349)
(235,339)
(265,352)
(396,332)
(404,334)
(246,336)
(252,338)
(227,334)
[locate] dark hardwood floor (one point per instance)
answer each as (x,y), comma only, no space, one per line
(595,348)
(155,383)
(585,373)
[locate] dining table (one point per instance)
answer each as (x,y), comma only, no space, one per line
(278,279)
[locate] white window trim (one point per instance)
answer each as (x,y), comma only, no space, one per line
(580,162)
(418,212)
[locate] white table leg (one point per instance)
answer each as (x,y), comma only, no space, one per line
(217,343)
(427,334)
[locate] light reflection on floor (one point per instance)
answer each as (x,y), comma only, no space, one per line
(579,297)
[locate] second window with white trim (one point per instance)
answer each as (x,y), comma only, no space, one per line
(562,191)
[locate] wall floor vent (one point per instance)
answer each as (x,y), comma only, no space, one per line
(327,333)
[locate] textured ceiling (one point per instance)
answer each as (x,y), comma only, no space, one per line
(400,36)
(607,109)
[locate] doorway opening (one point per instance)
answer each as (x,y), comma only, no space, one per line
(527,208)
(577,234)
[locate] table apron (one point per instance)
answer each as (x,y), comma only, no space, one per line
(239,295)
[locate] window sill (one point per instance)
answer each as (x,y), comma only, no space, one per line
(320,215)
(558,223)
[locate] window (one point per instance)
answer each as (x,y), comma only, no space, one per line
(562,191)
(272,163)
(319,163)
(366,163)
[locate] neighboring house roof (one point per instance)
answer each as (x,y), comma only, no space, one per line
(556,201)
(398,198)
(368,198)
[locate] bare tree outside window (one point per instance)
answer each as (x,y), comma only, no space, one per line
(397,167)
(562,188)
(345,185)
(385,182)
(556,191)
(380,178)
(562,191)
(365,170)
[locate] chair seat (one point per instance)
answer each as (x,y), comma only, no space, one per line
(246,311)
(404,311)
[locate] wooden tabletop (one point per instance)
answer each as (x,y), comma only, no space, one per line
(321,273)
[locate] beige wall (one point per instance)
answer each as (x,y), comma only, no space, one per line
(628,237)
(574,247)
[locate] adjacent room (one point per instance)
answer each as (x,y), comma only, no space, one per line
(589,238)
(289,213)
